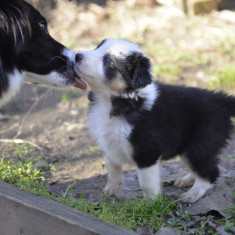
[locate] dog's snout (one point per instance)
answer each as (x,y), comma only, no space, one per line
(79,57)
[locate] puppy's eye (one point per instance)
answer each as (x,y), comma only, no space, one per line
(108,61)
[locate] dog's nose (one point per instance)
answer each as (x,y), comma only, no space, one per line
(78,57)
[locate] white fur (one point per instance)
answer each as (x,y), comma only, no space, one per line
(91,69)
(200,187)
(114,177)
(150,180)
(118,47)
(150,93)
(111,133)
(15,81)
(52,79)
(70,54)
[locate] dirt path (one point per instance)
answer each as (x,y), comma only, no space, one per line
(59,125)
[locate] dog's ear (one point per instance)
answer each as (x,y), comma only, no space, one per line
(3,25)
(3,78)
(142,75)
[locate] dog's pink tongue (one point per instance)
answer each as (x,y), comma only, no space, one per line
(80,84)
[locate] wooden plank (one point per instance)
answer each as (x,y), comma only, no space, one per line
(22,213)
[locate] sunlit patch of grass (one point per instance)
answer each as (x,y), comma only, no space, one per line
(20,150)
(22,176)
(95,149)
(226,77)
(227,47)
(70,43)
(169,69)
(130,214)
(65,97)
(173,61)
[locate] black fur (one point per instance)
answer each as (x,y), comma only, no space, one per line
(129,108)
(26,45)
(191,122)
(100,44)
(186,121)
(135,69)
(142,75)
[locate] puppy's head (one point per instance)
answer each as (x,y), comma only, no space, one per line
(116,64)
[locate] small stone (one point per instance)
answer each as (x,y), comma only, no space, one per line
(197,7)
(39,164)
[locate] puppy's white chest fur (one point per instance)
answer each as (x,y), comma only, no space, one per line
(111,132)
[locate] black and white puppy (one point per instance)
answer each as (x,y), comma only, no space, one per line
(29,53)
(136,120)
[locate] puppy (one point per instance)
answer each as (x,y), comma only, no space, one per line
(29,53)
(136,120)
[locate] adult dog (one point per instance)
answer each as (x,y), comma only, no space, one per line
(143,122)
(29,53)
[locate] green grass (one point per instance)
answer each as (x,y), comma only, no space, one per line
(231,208)
(129,214)
(226,77)
(169,69)
(65,97)
(228,223)
(173,61)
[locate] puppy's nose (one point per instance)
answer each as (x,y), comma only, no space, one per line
(78,57)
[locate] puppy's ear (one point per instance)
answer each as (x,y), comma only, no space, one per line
(142,75)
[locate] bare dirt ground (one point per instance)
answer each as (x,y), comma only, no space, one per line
(57,121)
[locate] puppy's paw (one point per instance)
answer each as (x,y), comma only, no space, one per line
(111,189)
(190,197)
(198,190)
(186,181)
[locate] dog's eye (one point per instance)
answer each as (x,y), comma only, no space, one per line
(108,61)
(42,26)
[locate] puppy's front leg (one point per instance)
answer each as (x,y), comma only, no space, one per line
(114,178)
(150,180)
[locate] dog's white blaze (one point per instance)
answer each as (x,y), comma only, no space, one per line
(150,180)
(68,53)
(15,81)
(111,133)
(53,79)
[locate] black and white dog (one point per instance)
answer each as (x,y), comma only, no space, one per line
(136,120)
(29,53)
